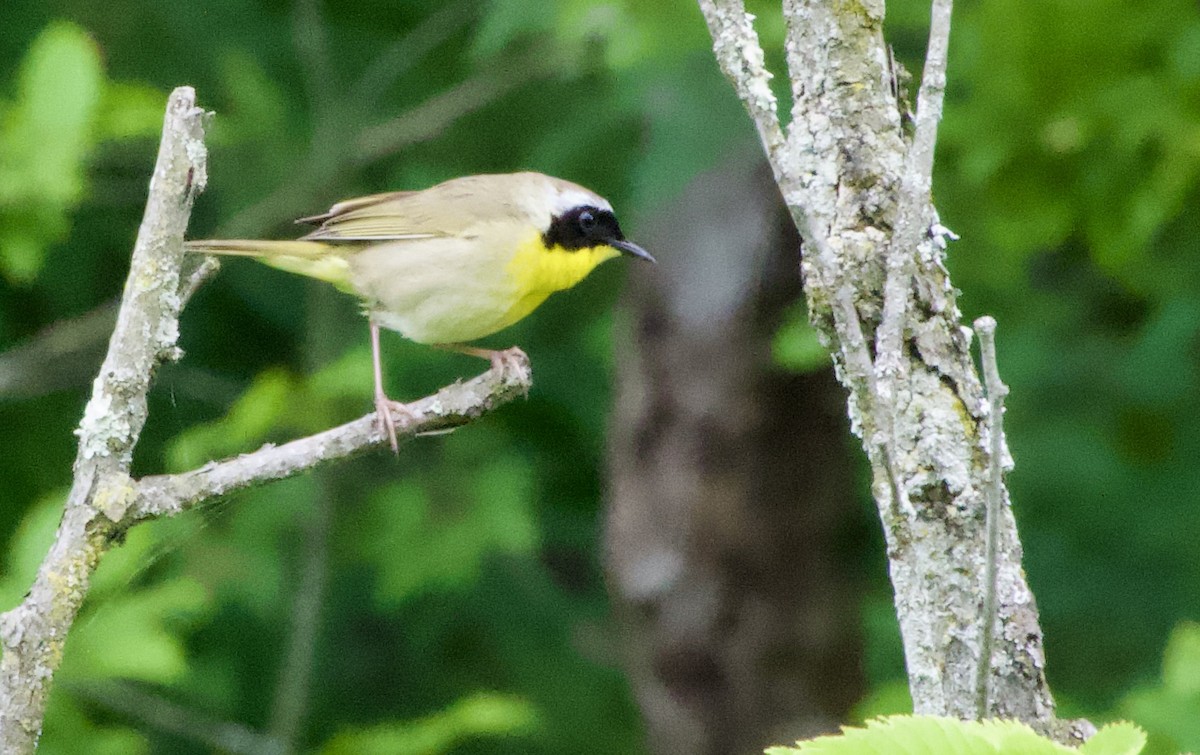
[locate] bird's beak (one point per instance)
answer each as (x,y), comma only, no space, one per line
(632,249)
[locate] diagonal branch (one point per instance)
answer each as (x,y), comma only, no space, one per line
(736,45)
(451,407)
(436,114)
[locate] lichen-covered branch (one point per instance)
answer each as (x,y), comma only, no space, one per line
(858,186)
(33,633)
(735,43)
(104,500)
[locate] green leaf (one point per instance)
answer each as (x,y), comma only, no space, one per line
(506,21)
(30,544)
(45,139)
(936,735)
(630,32)
(1172,709)
(129,111)
(257,107)
(796,345)
(132,636)
(265,411)
(1181,661)
(1121,738)
(445,540)
(67,727)
(480,715)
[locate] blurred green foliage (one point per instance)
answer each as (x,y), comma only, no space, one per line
(1168,706)
(462,604)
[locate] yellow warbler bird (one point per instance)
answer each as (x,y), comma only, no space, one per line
(452,263)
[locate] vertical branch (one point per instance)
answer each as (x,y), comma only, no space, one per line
(915,208)
(985,327)
(881,300)
(33,633)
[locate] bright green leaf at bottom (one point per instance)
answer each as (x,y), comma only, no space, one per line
(935,735)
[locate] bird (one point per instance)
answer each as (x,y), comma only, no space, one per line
(452,263)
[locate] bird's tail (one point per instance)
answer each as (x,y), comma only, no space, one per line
(314,259)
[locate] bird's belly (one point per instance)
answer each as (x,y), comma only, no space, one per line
(437,290)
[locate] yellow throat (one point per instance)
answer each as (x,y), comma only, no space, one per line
(538,271)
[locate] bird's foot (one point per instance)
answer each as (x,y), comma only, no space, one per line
(385,417)
(504,362)
(508,360)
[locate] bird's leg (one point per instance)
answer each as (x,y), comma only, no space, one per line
(384,406)
(501,360)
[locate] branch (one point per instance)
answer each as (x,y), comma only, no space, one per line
(913,215)
(860,194)
(63,355)
(736,45)
(985,327)
(34,632)
(104,500)
(436,114)
(406,52)
(152,710)
(451,407)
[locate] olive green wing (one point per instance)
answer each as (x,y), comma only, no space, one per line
(394,216)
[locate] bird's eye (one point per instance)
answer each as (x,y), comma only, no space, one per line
(587,221)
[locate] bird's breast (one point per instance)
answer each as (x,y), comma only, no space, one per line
(451,290)
(538,269)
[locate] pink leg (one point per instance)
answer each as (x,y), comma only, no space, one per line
(500,359)
(383,405)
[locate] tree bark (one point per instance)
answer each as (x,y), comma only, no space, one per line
(857,184)
(34,633)
(732,490)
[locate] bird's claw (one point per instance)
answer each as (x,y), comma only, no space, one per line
(508,360)
(385,418)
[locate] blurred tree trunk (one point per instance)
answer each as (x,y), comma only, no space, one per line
(732,493)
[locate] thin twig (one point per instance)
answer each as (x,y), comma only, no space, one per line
(858,357)
(292,689)
(312,52)
(890,365)
(196,271)
(156,711)
(914,208)
(434,115)
(985,327)
(406,52)
(63,355)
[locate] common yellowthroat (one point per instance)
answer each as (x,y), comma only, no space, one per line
(452,263)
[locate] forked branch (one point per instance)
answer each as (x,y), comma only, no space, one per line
(104,500)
